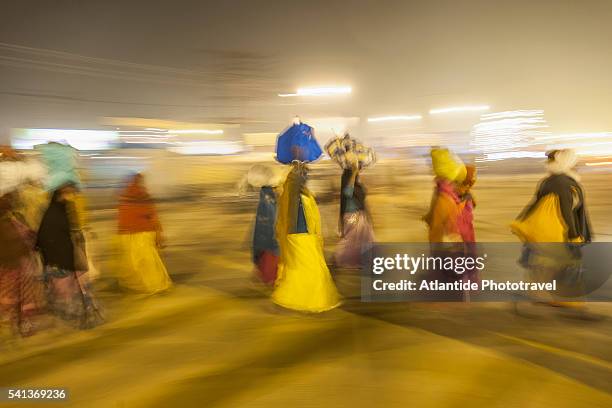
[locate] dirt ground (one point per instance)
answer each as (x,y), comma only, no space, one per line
(216,339)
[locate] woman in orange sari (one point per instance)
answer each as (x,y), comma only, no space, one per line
(450,218)
(140,266)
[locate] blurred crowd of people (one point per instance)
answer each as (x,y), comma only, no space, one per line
(46,268)
(288,246)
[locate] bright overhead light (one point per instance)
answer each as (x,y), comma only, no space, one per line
(516,154)
(323,91)
(521,113)
(207,147)
(80,139)
(459,109)
(119,158)
(606,163)
(394,118)
(197,132)
(508,134)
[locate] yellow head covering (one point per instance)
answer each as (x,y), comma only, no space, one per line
(448,166)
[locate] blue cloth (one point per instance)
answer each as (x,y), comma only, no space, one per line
(351,203)
(297,143)
(61,161)
(264,236)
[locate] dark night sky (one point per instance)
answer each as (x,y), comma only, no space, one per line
(67,63)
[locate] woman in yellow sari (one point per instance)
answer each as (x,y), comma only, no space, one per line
(304,282)
(141,269)
(554,227)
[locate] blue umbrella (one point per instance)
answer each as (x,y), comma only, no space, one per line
(297,143)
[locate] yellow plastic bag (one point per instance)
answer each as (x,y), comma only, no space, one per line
(543,224)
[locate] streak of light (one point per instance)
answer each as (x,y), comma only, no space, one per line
(511,155)
(145,136)
(209,147)
(302,103)
(80,139)
(261,134)
(143,131)
(508,134)
(454,109)
(512,114)
(196,131)
(388,129)
(145,142)
(323,91)
(574,136)
(119,157)
(607,163)
(394,118)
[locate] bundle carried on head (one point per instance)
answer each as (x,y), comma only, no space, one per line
(447,165)
(297,142)
(15,171)
(270,175)
(347,151)
(61,161)
(562,161)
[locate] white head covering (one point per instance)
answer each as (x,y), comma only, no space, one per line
(563,162)
(260,175)
(15,173)
(266,175)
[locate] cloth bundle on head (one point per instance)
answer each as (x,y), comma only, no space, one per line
(447,165)
(346,150)
(563,162)
(261,175)
(61,161)
(297,143)
(15,173)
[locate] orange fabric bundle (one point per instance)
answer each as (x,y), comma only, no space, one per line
(136,209)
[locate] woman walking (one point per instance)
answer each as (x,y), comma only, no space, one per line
(141,268)
(304,282)
(21,289)
(450,219)
(554,226)
(357,233)
(265,246)
(62,246)
(444,216)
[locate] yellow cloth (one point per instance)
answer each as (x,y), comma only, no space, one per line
(447,165)
(140,268)
(543,224)
(80,205)
(304,282)
(33,202)
(542,228)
